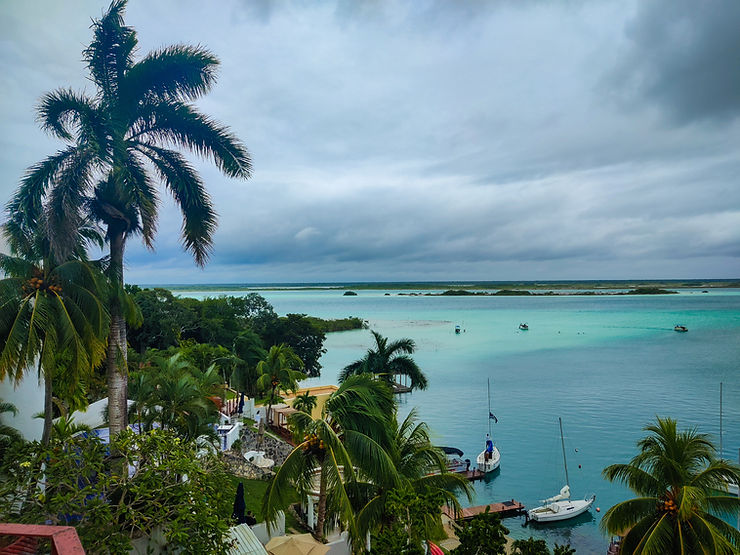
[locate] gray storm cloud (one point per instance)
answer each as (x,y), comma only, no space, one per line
(435,140)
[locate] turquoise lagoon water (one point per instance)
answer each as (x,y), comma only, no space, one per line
(606,364)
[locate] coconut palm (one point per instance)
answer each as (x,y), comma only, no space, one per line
(51,314)
(675,476)
(279,371)
(139,111)
(419,465)
(388,360)
(348,442)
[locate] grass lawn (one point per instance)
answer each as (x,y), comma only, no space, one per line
(254,491)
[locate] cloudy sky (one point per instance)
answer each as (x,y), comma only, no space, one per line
(433,140)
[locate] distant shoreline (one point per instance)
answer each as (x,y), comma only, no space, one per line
(459,285)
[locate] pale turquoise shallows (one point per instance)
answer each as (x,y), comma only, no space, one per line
(605,364)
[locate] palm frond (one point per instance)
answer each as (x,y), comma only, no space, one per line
(182,125)
(110,53)
(199,218)
(178,72)
(64,112)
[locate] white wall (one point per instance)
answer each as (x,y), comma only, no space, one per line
(28,398)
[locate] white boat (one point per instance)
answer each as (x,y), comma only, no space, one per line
(561,506)
(488,462)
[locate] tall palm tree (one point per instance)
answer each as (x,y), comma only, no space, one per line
(49,312)
(675,476)
(140,109)
(388,360)
(419,465)
(348,442)
(279,371)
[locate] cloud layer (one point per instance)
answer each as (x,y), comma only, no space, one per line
(436,140)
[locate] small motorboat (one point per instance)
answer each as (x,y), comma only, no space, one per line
(457,329)
(523,327)
(455,462)
(679,327)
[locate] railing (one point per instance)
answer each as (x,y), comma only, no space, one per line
(64,540)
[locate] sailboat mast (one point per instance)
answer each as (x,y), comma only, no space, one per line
(721,452)
(562,443)
(488,416)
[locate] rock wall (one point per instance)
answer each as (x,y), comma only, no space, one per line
(274,449)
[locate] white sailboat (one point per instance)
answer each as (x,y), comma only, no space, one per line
(560,506)
(489,461)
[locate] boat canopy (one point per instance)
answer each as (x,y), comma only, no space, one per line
(564,494)
(452,451)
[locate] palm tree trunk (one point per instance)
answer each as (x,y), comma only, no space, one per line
(48,408)
(117,373)
(321,516)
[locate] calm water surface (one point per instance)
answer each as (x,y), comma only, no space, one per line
(607,365)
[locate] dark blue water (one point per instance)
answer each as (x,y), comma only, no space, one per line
(607,365)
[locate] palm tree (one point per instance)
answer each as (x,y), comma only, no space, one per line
(49,313)
(305,403)
(181,398)
(348,442)
(139,110)
(675,476)
(388,360)
(420,466)
(279,371)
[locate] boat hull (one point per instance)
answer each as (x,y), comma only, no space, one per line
(491,464)
(560,510)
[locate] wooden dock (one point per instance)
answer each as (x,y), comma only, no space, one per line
(507,508)
(471,475)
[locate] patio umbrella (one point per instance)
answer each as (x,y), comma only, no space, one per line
(302,544)
(239,505)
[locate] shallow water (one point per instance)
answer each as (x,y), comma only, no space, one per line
(605,364)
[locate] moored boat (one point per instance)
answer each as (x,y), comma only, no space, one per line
(490,458)
(561,506)
(523,326)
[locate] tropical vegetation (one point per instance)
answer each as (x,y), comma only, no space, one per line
(387,361)
(52,314)
(347,442)
(481,535)
(79,486)
(679,481)
(139,110)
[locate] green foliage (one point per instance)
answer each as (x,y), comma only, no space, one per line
(338,324)
(8,435)
(675,476)
(407,522)
(300,334)
(482,535)
(80,486)
(563,550)
(530,546)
